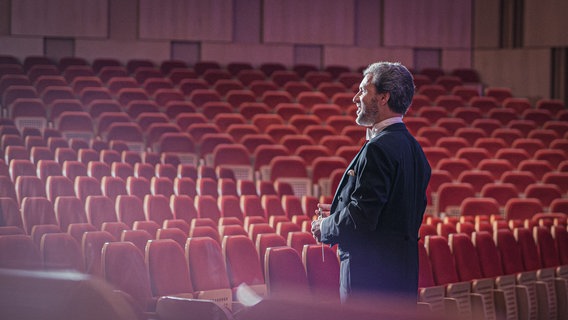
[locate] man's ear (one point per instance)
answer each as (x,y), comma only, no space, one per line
(384,98)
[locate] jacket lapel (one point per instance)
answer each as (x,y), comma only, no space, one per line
(344,178)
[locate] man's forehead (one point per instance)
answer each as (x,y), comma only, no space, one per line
(367,80)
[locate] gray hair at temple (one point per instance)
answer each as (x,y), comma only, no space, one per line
(394,78)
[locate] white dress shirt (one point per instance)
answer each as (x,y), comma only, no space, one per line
(378,127)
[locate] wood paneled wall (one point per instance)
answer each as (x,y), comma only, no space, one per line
(419,23)
(526,71)
(195,20)
(486,24)
(466,33)
(60,18)
(546,23)
(314,21)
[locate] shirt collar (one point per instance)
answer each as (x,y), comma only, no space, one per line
(378,127)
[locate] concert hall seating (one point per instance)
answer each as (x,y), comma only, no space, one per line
(240,144)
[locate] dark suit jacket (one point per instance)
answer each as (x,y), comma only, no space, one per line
(376,214)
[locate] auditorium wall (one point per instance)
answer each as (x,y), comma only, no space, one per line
(433,33)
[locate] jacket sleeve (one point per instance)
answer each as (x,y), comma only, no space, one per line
(374,175)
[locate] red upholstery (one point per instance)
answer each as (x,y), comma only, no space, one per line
(123,267)
(322,269)
(285,273)
(167,268)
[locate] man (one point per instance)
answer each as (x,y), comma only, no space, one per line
(377,209)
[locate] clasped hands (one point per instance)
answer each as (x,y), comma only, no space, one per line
(322,212)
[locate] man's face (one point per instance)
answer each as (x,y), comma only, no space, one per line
(367,103)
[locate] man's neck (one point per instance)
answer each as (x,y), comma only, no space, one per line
(380,126)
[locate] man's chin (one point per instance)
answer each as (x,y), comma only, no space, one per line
(361,121)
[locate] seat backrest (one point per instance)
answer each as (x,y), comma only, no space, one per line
(510,251)
(451,195)
(284,272)
(287,166)
(157,208)
(231,154)
(207,186)
(21,167)
(425,275)
(167,267)
(129,209)
(100,209)
(19,252)
(479,206)
(185,186)
(546,193)
(123,266)
(41,229)
(87,186)
(28,186)
(61,251)
(465,256)
(139,237)
(206,274)
(242,261)
(92,245)
(183,208)
(172,233)
(298,239)
(98,170)
(251,205)
(205,231)
(522,208)
(256,229)
(322,269)
(547,248)
(138,186)
(443,265)
(529,250)
(232,230)
(36,211)
(10,212)
(283,228)
(207,207)
(113,187)
(68,210)
(265,241)
(57,186)
(501,192)
(560,236)
(229,207)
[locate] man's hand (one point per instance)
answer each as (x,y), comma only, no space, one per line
(321,212)
(316,232)
(323,209)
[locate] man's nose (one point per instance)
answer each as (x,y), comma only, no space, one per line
(356,98)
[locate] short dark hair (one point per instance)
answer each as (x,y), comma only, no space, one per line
(394,78)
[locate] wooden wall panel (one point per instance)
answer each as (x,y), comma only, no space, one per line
(186,20)
(5,17)
(486,22)
(525,71)
(123,19)
(60,18)
(21,46)
(248,22)
(368,23)
(309,22)
(357,57)
(251,53)
(123,50)
(546,23)
(435,23)
(456,58)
